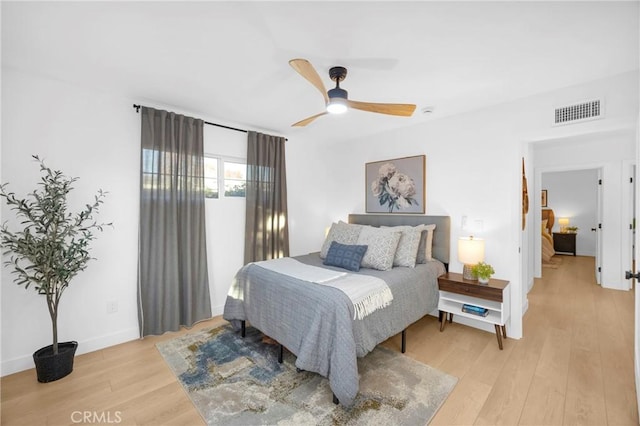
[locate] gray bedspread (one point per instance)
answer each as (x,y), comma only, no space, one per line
(315,322)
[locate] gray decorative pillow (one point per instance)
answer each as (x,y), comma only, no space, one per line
(426,243)
(407,251)
(342,232)
(382,247)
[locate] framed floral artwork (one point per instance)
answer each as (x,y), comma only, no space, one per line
(543,201)
(396,186)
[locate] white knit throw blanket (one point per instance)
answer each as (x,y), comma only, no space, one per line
(367,293)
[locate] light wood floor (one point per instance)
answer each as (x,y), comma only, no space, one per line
(574,366)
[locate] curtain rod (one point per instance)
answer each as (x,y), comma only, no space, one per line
(137,108)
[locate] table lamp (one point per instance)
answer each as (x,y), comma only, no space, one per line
(470,252)
(564,222)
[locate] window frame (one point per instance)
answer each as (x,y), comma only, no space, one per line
(221,159)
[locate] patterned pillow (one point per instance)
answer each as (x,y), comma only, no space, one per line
(407,251)
(426,243)
(344,233)
(345,256)
(382,247)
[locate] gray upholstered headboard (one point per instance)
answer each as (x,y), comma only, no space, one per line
(441,235)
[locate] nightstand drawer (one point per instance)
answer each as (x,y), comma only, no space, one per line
(470,288)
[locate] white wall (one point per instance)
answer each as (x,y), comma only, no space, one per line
(96,136)
(473,169)
(573,194)
(224,220)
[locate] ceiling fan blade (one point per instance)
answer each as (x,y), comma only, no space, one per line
(308,120)
(305,69)
(404,110)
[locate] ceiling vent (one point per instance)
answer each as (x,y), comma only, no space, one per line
(583,111)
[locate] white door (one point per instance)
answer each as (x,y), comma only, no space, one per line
(632,225)
(636,352)
(598,227)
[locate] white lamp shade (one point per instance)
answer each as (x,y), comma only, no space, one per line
(470,250)
(564,221)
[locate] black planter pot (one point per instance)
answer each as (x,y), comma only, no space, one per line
(50,367)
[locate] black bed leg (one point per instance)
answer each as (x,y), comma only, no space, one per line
(243,328)
(335,399)
(404,340)
(280,354)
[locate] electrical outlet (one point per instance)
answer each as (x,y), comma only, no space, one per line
(112,306)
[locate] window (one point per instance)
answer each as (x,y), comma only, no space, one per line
(227,173)
(211,177)
(235,179)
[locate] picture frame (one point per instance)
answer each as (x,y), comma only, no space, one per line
(396,185)
(543,201)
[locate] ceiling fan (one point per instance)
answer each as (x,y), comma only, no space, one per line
(337,100)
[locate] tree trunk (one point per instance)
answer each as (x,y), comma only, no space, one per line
(53,311)
(54,323)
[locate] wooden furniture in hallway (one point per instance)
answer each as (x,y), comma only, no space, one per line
(564,242)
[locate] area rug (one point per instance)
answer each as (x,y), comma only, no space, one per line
(238,381)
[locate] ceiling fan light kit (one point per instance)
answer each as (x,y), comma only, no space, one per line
(337,99)
(337,106)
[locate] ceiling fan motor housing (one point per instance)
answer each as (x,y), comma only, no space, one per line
(338,93)
(337,74)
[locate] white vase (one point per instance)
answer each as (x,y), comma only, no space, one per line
(484,281)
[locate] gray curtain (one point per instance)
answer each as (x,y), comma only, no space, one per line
(173,285)
(267,230)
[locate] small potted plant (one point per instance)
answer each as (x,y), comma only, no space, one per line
(572,229)
(482,271)
(50,246)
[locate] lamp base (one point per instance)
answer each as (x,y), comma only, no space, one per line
(466,273)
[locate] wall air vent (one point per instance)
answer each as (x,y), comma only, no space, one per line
(583,111)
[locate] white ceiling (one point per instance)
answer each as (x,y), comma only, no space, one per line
(228,61)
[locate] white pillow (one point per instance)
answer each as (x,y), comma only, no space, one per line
(382,245)
(342,232)
(426,243)
(407,251)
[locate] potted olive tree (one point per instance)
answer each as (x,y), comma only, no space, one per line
(50,246)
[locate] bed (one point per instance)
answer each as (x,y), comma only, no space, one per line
(548,220)
(317,322)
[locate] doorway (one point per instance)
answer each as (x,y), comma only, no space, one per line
(612,153)
(575,198)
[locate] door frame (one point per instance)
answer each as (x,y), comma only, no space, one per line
(537,209)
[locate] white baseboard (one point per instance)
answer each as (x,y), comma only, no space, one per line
(217,310)
(25,362)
